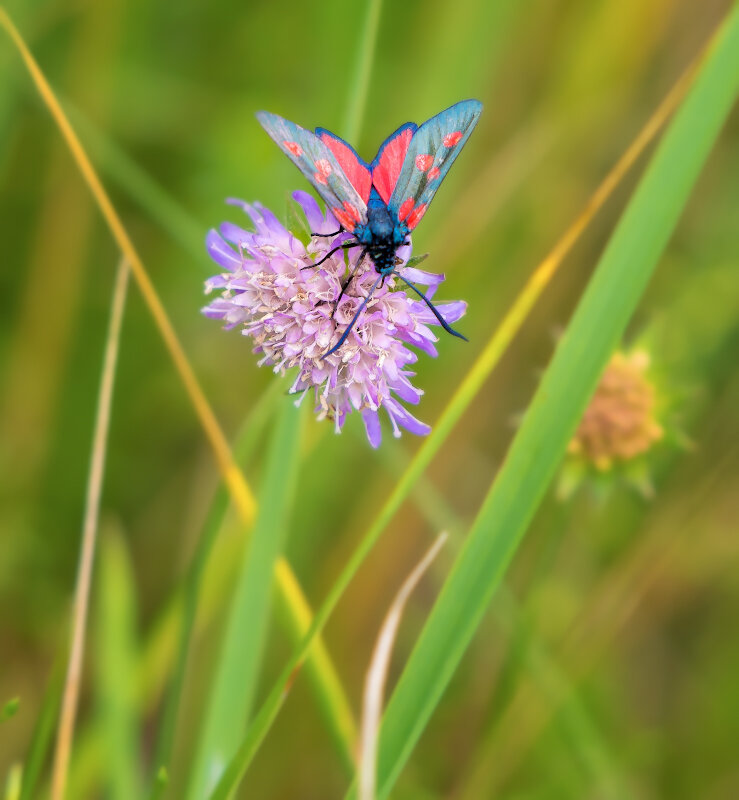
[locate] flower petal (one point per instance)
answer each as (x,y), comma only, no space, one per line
(317,222)
(221,253)
(406,419)
(372,425)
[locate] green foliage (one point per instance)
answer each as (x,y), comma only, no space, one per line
(116,646)
(237,671)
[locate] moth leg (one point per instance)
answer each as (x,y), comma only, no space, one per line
(330,253)
(353,322)
(335,233)
(346,283)
(444,324)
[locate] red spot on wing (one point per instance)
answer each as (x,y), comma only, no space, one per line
(434,174)
(358,175)
(424,161)
(351,211)
(294,148)
(345,218)
(452,138)
(387,171)
(323,170)
(415,216)
(405,208)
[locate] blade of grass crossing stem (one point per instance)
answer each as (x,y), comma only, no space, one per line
(459,403)
(596,327)
(320,668)
(241,652)
(116,658)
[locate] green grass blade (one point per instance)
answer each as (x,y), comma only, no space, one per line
(359,86)
(116,659)
(187,602)
(237,671)
(43,731)
(596,327)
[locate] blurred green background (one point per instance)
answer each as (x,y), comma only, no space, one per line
(634,600)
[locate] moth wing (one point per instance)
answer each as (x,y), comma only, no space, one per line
(429,157)
(320,166)
(389,160)
(355,169)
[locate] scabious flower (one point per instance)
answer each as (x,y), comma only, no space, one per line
(290,314)
(620,423)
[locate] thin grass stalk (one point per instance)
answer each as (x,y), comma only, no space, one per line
(70,697)
(374,687)
(362,72)
(327,685)
(463,397)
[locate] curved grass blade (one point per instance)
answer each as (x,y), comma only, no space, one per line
(237,670)
(598,323)
(374,686)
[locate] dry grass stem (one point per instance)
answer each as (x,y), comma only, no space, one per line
(70,697)
(374,687)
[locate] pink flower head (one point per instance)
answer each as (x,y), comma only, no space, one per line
(289,313)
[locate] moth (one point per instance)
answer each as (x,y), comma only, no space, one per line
(379,203)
